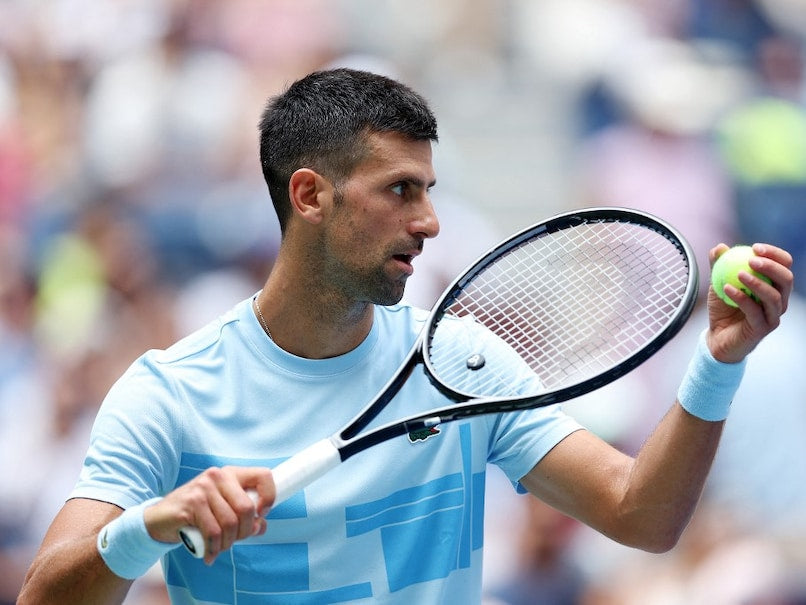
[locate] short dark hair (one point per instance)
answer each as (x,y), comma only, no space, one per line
(322,122)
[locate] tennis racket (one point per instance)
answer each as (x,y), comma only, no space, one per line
(555,311)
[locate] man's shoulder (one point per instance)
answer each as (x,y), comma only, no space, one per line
(196,346)
(200,341)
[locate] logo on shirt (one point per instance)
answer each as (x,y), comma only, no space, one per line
(423,434)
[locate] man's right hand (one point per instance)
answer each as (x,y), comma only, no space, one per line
(217,504)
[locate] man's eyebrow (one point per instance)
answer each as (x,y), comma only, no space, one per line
(412,177)
(417,182)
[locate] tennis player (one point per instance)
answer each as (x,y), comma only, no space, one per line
(186,431)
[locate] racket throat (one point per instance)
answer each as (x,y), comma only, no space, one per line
(347,448)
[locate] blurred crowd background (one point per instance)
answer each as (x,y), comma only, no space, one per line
(132,210)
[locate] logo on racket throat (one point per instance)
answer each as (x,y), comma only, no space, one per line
(423,434)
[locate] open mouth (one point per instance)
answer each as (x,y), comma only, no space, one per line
(405,261)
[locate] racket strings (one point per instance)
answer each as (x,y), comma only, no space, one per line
(571,304)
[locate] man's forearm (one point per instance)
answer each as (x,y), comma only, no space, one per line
(72,572)
(669,474)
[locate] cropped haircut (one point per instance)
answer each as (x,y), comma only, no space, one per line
(323,121)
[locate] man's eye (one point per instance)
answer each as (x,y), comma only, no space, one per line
(399,189)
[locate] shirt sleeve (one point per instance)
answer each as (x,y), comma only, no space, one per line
(518,440)
(135,442)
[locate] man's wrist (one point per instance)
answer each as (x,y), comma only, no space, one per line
(709,385)
(126,546)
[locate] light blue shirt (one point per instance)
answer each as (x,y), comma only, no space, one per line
(399,523)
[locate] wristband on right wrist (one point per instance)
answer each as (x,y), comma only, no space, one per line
(126,546)
(709,385)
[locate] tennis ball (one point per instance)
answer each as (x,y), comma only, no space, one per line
(726,271)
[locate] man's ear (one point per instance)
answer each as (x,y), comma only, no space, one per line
(310,193)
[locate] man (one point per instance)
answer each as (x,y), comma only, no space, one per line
(187,431)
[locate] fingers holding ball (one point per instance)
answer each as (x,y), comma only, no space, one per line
(726,272)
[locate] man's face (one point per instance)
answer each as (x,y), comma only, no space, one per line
(381,216)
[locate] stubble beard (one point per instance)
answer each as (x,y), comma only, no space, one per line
(391,294)
(354,281)
(362,284)
(372,286)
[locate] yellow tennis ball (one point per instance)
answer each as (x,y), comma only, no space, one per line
(726,271)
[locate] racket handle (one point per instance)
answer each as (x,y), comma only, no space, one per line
(304,468)
(290,476)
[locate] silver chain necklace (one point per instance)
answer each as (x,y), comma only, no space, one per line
(262,319)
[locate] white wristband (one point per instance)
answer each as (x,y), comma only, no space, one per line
(126,546)
(709,385)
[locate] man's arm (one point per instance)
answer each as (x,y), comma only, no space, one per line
(646,502)
(67,568)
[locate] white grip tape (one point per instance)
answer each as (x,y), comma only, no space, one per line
(304,468)
(290,476)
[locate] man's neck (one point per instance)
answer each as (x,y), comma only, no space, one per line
(309,321)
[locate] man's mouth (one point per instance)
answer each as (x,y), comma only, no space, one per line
(404,261)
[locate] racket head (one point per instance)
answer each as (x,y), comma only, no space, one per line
(576,301)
